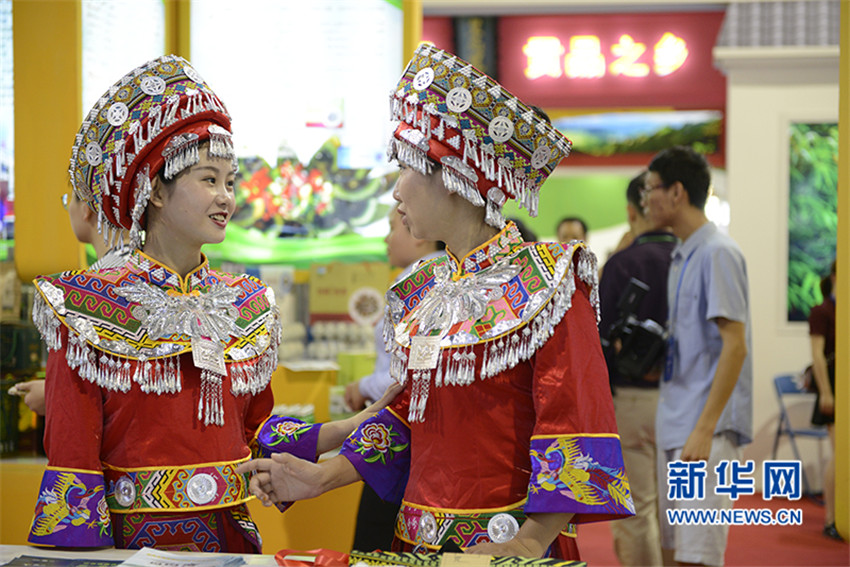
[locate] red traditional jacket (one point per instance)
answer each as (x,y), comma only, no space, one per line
(507,409)
(156,385)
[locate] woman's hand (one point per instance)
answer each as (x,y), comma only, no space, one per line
(33,394)
(282,478)
(285,478)
(354,400)
(390,393)
(333,433)
(515,547)
(827,403)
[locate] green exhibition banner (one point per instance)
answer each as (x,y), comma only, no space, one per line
(812,213)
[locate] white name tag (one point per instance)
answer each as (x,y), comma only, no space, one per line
(424,353)
(208,355)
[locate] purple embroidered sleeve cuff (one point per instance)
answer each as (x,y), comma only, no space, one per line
(280,434)
(287,435)
(580,475)
(380,451)
(71,510)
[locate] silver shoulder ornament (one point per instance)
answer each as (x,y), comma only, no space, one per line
(503,346)
(103,357)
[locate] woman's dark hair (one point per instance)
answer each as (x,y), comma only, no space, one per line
(826,283)
(634,190)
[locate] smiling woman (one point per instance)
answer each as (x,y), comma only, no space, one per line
(158,369)
(190,210)
(160,335)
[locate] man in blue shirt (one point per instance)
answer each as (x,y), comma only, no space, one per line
(636,539)
(705,404)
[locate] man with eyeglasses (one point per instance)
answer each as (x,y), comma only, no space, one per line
(647,258)
(705,404)
(84,224)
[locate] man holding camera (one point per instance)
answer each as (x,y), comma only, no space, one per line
(635,357)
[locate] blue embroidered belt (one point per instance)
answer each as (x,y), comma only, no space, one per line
(165,489)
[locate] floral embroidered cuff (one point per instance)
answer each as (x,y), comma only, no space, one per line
(287,435)
(380,451)
(71,510)
(580,475)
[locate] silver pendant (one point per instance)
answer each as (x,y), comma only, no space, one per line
(208,355)
(424,352)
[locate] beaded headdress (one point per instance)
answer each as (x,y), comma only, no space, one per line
(152,119)
(492,147)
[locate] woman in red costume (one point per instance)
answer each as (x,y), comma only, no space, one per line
(504,436)
(158,369)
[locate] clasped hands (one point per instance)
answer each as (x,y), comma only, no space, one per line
(283,478)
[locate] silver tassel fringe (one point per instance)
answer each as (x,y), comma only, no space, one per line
(410,156)
(493,215)
(210,402)
(159,376)
(221,144)
(180,153)
(457,366)
(142,194)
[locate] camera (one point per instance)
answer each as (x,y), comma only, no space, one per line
(642,342)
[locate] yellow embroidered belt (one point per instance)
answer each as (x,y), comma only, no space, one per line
(172,489)
(433,527)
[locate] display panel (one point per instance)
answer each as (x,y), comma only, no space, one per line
(308,90)
(632,138)
(812,213)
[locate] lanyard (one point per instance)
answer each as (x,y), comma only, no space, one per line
(671,340)
(645,238)
(679,288)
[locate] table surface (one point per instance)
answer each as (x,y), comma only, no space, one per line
(9,552)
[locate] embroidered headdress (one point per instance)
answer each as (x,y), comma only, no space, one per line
(152,119)
(491,146)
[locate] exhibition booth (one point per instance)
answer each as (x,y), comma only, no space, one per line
(308,87)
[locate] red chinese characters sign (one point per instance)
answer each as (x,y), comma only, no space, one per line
(613,60)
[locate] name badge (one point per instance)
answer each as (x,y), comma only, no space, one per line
(208,355)
(424,353)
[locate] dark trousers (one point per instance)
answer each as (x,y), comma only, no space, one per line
(375,522)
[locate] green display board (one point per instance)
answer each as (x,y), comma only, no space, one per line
(812,213)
